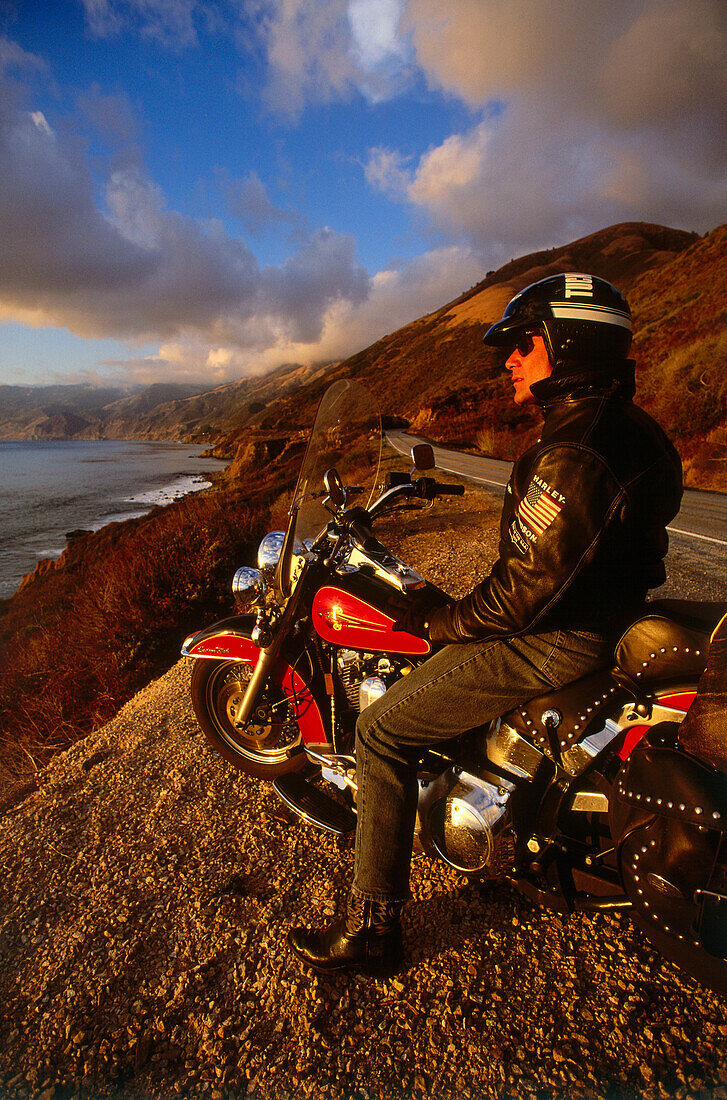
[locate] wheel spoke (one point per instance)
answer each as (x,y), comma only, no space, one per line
(272,729)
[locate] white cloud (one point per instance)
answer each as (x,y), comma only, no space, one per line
(592,114)
(172,22)
(323,50)
(388,170)
(139,271)
(375,30)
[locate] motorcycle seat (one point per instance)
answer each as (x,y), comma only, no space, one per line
(658,648)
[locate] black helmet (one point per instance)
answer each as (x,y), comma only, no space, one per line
(580,317)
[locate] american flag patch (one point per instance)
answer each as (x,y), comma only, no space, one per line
(538,508)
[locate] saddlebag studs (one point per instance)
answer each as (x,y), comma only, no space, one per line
(580,705)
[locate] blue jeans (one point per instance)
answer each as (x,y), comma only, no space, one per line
(459,688)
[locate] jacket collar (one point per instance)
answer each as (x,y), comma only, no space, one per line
(572,383)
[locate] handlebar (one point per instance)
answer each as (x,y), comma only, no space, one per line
(428,488)
(450,490)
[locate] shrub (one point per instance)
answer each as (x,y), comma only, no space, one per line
(84,635)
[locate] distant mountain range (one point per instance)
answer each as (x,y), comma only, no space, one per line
(436,374)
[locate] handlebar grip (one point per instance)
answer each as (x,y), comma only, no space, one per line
(450,490)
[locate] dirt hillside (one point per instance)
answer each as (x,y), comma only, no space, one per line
(148,889)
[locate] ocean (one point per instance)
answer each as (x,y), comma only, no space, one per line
(50,488)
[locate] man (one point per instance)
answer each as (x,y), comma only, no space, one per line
(582,540)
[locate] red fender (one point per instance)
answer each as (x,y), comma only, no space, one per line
(229,641)
(681,700)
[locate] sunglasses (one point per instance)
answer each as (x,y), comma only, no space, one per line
(524,345)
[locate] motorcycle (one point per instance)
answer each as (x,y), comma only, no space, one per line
(582,798)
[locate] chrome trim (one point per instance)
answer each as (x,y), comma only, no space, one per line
(369,690)
(386,567)
(590,802)
(481,805)
(330,759)
(699,893)
(507,749)
(341,767)
(388,495)
(248,586)
(192,639)
(579,756)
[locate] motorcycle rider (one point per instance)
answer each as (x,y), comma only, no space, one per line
(582,540)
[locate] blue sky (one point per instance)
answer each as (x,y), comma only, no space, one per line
(194,190)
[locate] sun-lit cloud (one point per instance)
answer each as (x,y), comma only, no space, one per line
(578,115)
(135,269)
(395,297)
(117,261)
(587,121)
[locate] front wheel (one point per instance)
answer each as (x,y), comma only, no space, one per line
(269,744)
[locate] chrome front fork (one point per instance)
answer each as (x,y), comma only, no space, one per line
(262,670)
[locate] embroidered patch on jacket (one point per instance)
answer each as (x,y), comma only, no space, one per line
(540,506)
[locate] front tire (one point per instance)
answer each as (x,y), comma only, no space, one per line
(269,744)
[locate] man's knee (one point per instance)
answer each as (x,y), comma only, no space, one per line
(364,727)
(371,732)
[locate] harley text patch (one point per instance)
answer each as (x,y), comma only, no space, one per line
(540,506)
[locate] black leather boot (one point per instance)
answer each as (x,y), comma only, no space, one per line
(367,937)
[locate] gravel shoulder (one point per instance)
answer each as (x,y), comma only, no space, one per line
(146,894)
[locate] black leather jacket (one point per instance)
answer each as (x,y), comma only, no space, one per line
(582,534)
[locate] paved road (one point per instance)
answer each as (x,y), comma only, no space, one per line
(703,516)
(698,550)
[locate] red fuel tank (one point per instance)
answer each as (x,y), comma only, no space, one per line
(347,618)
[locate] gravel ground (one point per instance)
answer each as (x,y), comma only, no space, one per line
(147,892)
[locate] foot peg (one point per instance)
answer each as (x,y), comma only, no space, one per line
(314,805)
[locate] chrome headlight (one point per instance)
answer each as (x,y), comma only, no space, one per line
(248,586)
(269,551)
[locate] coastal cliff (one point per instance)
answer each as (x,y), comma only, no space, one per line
(147,893)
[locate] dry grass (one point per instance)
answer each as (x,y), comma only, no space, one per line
(82,637)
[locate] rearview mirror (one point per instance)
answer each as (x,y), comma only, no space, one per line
(334,488)
(422,456)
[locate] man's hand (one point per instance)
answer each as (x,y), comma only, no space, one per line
(415,620)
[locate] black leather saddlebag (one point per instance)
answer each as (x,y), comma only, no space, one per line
(704,730)
(669,824)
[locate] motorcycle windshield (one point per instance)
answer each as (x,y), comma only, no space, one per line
(346,435)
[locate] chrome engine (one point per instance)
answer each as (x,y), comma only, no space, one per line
(366,676)
(464,820)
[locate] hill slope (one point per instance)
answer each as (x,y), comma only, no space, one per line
(149,889)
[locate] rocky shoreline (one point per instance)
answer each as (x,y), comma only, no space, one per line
(147,891)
